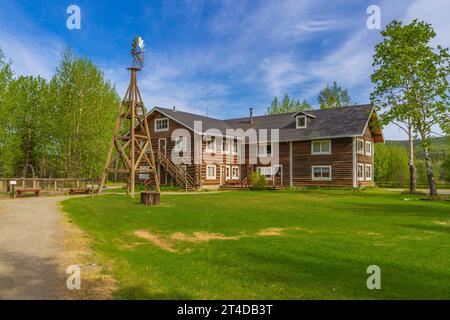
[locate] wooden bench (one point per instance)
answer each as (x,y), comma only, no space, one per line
(73,191)
(20,192)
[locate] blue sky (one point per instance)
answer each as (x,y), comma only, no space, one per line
(220,57)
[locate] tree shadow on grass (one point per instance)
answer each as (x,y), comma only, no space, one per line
(316,276)
(397,210)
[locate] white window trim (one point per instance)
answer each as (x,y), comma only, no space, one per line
(320,152)
(265,154)
(177,146)
(228,172)
(233,176)
(371,172)
(321,179)
(360,165)
(235,143)
(213,146)
(296,122)
(358,140)
(368,153)
(228,146)
(162,130)
(269,169)
(208,177)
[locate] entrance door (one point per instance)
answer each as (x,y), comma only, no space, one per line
(162,145)
(223,175)
(277,175)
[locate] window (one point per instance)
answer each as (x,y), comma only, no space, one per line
(264,150)
(360,171)
(211,172)
(235,173)
(360,146)
(368,148)
(301,122)
(235,147)
(368,172)
(211,144)
(161,124)
(180,144)
(228,172)
(321,173)
(226,146)
(265,171)
(321,147)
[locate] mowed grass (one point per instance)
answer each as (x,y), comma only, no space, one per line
(328,238)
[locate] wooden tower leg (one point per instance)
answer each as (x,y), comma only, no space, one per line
(127,146)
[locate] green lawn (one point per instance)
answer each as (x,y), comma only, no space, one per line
(325,242)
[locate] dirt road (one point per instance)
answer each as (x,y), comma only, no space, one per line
(30,240)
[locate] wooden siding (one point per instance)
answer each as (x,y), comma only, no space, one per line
(365,159)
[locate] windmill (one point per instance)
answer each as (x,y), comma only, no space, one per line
(134,148)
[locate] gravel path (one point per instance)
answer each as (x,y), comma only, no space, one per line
(30,240)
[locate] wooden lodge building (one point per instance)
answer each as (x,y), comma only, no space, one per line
(333,147)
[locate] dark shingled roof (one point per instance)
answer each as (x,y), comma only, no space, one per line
(187,119)
(327,123)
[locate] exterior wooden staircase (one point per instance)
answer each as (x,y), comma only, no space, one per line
(178,173)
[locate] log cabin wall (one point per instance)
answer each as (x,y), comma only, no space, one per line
(197,171)
(366,158)
(340,160)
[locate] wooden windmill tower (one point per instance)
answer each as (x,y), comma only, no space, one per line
(134,149)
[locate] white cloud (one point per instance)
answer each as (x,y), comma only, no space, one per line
(31,55)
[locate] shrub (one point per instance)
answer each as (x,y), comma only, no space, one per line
(258,181)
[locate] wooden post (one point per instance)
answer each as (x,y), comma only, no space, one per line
(131,148)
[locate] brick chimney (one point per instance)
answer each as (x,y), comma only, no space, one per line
(251,115)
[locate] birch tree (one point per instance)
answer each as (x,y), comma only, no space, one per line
(411,83)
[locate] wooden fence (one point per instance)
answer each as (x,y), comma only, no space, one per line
(45,183)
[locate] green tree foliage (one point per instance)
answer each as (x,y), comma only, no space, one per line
(29,122)
(86,104)
(6,157)
(258,181)
(287,105)
(61,128)
(333,97)
(445,167)
(411,81)
(391,163)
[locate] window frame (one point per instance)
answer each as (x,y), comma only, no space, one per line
(362,177)
(228,146)
(296,122)
(358,151)
(238,175)
(265,154)
(365,171)
(184,146)
(320,152)
(321,173)
(214,144)
(164,129)
(368,153)
(208,177)
(235,144)
(270,169)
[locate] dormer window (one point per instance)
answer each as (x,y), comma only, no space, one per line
(301,122)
